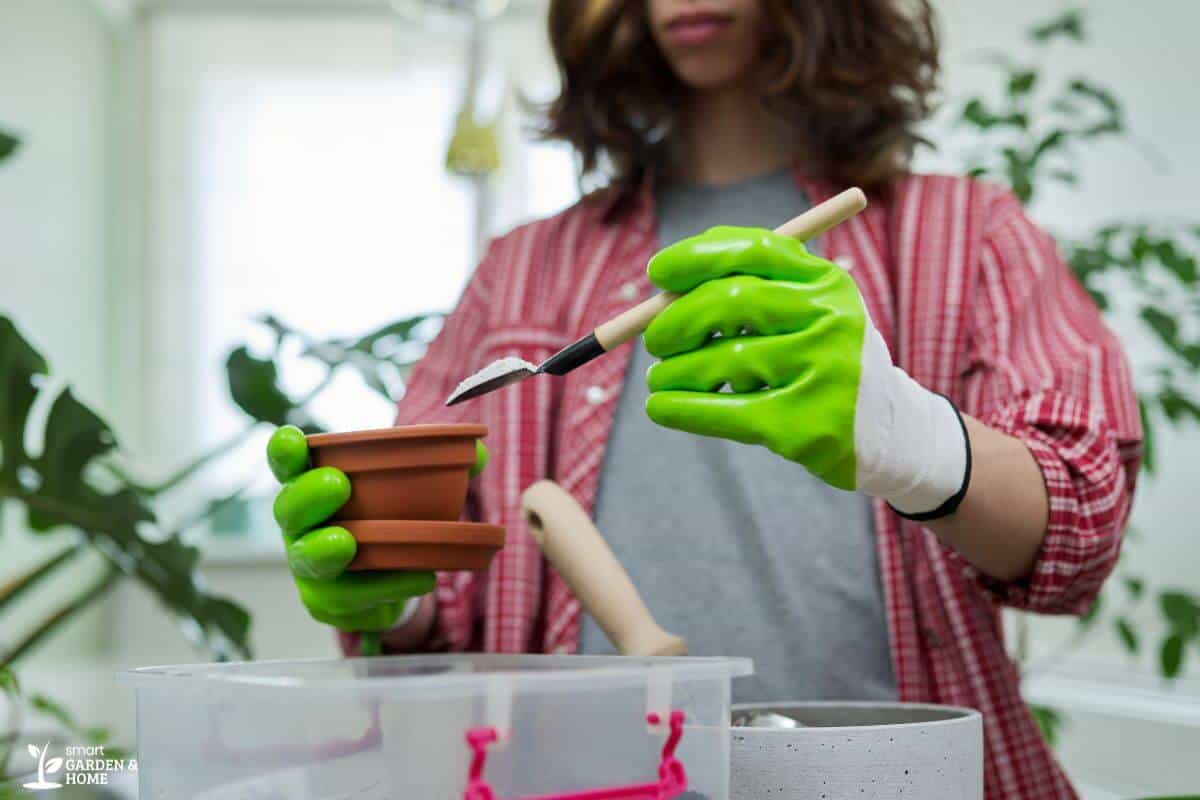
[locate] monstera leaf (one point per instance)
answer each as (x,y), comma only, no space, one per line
(8,144)
(61,488)
(254,387)
(19,365)
(74,438)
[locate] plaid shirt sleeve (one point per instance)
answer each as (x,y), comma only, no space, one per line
(1044,368)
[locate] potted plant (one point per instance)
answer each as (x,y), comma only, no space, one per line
(1028,134)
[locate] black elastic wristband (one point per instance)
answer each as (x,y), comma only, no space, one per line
(950,506)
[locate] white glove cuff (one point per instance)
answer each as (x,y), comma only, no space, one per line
(939,490)
(406,616)
(912,447)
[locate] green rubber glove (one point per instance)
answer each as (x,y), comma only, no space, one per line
(811,377)
(318,554)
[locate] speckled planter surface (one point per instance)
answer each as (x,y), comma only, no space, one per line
(855,750)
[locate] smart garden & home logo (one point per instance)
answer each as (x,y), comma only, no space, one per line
(80,765)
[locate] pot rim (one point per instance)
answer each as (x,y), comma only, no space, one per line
(456,430)
(398,532)
(964,714)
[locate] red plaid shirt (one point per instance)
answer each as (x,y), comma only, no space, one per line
(974,302)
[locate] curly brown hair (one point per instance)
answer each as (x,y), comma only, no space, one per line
(853,77)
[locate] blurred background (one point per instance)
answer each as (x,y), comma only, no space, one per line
(221,215)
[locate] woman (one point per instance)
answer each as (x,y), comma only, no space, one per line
(946,368)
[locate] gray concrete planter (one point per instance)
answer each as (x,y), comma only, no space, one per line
(885,751)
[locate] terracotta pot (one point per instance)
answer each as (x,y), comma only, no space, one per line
(409,544)
(414,472)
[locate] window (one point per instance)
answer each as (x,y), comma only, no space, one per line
(296,167)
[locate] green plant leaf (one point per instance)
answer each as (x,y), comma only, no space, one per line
(211,509)
(230,619)
(1170,656)
(1065,176)
(61,492)
(1127,634)
(277,327)
(1103,128)
(1099,94)
(1136,587)
(1019,172)
(1181,265)
(1148,462)
(74,436)
(977,114)
(1048,144)
(1177,406)
(91,594)
(168,569)
(401,330)
(1089,617)
(44,704)
(1167,329)
(59,712)
(368,370)
(1050,721)
(16,587)
(1065,106)
(1021,82)
(19,366)
(1140,247)
(97,735)
(254,387)
(1182,612)
(9,683)
(8,144)
(1068,25)
(1090,260)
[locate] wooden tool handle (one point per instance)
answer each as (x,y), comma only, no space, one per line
(579,553)
(810,224)
(628,324)
(822,217)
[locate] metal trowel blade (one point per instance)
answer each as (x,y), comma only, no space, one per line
(496,375)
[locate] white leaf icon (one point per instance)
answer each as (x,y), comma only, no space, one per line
(53,765)
(33,751)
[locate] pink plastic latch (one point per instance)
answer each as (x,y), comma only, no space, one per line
(672,778)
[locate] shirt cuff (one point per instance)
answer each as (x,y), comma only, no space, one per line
(1043,589)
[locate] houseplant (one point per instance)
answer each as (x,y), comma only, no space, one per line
(73,491)
(1029,133)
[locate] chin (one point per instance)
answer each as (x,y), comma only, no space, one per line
(710,74)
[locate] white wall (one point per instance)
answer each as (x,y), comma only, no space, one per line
(55,234)
(55,92)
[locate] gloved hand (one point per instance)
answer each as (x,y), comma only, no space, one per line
(811,377)
(318,554)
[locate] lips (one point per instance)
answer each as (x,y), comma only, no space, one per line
(697,27)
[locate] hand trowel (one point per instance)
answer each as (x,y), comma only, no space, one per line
(628,324)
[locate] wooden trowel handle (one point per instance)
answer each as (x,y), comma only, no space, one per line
(579,553)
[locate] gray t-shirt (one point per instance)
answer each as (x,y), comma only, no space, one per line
(736,549)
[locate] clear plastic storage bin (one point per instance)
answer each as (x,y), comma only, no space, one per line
(439,727)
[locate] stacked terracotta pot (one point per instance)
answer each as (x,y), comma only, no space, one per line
(407,490)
